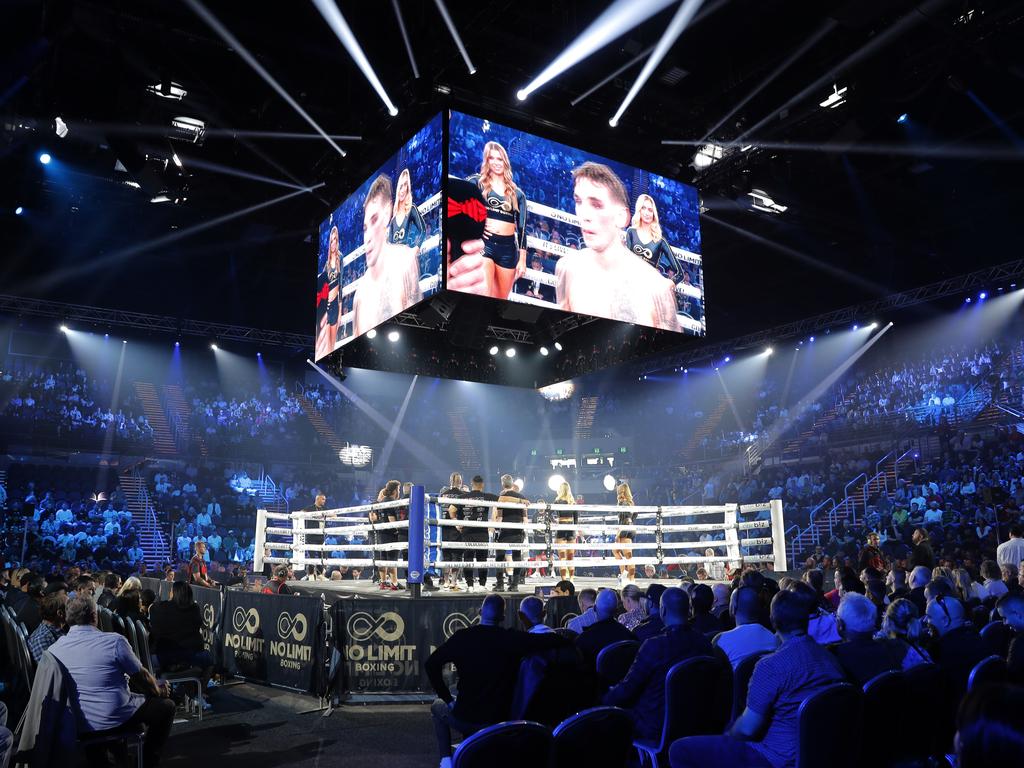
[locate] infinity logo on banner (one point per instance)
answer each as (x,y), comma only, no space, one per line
(362,626)
(453,622)
(208,616)
(294,626)
(249,620)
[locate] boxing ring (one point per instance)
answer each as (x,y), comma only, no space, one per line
(346,538)
(380,639)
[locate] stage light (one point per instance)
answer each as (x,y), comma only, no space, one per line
(510,352)
(393,336)
(558,345)
(836,98)
(609,483)
(493,350)
(214,347)
(706,156)
(727,358)
(812,339)
(60,127)
(336,21)
(171,90)
(63,328)
(967,300)
(902,118)
(555,481)
(544,351)
(176,160)
(614,22)
(443,10)
(177,343)
(873,326)
(856,327)
(891,324)
(372,333)
(762,201)
(45,158)
(686,370)
(982,295)
(259,354)
(519,484)
(124,341)
(106,335)
(769,351)
(18,211)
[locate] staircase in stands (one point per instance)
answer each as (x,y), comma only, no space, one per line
(325,430)
(585,416)
(163,438)
(179,414)
(468,457)
(992,413)
(793,448)
(152,537)
(706,427)
(854,502)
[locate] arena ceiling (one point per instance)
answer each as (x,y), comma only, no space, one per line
(874,206)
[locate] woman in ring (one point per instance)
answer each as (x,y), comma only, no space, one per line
(564,534)
(624,498)
(407,227)
(644,238)
(329,295)
(505,227)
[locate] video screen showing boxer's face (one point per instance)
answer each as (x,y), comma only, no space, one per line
(379,251)
(546,224)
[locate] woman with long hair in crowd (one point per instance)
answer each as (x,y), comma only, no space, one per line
(645,238)
(406,226)
(505,226)
(902,622)
(564,534)
(624,498)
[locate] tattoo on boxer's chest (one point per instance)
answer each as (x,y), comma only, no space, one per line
(622,303)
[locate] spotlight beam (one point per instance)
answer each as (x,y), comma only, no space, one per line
(195,162)
(801,257)
(687,10)
(645,52)
(214,23)
(809,43)
(969,152)
(405,39)
(443,10)
(396,427)
(921,13)
(116,257)
(232,133)
(620,17)
(336,21)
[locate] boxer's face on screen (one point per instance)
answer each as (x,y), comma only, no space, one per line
(375,228)
(601,219)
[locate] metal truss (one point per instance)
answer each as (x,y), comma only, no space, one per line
(863,313)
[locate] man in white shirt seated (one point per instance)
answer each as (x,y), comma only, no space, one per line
(749,636)
(97,663)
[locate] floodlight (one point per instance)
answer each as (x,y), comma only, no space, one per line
(214,346)
(63,328)
(544,351)
(510,352)
(609,483)
(372,333)
(519,484)
(393,336)
(558,345)
(493,350)
(18,211)
(902,118)
(60,127)
(555,481)
(45,158)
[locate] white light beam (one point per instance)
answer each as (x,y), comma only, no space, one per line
(443,10)
(405,38)
(675,28)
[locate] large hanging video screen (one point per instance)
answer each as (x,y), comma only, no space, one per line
(534,221)
(379,251)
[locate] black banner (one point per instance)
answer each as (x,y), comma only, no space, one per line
(385,643)
(209,602)
(161,588)
(272,638)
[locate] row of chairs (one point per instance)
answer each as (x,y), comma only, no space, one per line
(18,660)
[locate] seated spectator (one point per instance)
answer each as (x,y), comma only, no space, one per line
(531,614)
(765,734)
(279,584)
(720,608)
(111,583)
(635,610)
(52,612)
(919,578)
(1010,574)
(487,658)
(586,599)
(1011,610)
(148,599)
(958,646)
(176,632)
(652,625)
(29,613)
(990,727)
(642,690)
(749,636)
(98,663)
(6,737)
(861,656)
(603,632)
(822,626)
(902,622)
(701,600)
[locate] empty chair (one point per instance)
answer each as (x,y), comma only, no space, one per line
(987,671)
(691,707)
(741,682)
(190,676)
(889,746)
(614,661)
(602,736)
(819,741)
(997,635)
(505,745)
(928,708)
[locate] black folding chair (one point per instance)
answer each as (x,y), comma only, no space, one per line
(819,742)
(741,682)
(594,737)
(929,709)
(987,672)
(997,636)
(150,662)
(614,661)
(890,746)
(506,745)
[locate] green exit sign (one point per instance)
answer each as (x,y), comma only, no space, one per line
(560,451)
(622,449)
(597,450)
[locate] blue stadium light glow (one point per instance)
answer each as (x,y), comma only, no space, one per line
(967,300)
(177,343)
(812,339)
(902,118)
(982,295)
(44,158)
(18,211)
